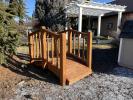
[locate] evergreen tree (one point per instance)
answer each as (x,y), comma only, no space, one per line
(51,13)
(9,30)
(18,9)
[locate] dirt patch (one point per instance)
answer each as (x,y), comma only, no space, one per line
(8,81)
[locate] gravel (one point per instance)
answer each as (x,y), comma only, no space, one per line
(116,85)
(108,82)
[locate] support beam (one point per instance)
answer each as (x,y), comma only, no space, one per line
(80,19)
(119,21)
(99,25)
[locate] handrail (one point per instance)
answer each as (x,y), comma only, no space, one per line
(44,30)
(73,31)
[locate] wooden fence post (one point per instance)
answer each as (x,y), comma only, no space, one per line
(63,59)
(69,41)
(89,50)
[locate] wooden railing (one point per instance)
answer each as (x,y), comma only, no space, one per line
(49,49)
(79,46)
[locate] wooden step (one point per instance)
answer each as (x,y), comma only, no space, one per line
(74,78)
(76,71)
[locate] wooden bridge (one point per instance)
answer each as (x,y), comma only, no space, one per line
(69,56)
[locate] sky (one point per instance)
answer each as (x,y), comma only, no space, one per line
(30,5)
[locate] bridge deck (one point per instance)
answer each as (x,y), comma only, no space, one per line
(76,71)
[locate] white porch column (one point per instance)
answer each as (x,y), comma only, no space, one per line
(80,19)
(99,25)
(66,27)
(119,21)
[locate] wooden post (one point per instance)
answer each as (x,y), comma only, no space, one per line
(83,51)
(74,44)
(63,59)
(31,48)
(47,48)
(70,42)
(89,50)
(55,46)
(44,50)
(52,49)
(79,45)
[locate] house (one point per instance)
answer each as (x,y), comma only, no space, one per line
(109,21)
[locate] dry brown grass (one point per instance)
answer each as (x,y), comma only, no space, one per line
(23,49)
(103,46)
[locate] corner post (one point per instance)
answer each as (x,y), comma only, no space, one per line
(63,59)
(89,50)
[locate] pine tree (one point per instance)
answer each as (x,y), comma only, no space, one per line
(18,9)
(51,13)
(9,31)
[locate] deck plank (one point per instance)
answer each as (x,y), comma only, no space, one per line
(76,71)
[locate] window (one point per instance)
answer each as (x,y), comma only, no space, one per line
(109,25)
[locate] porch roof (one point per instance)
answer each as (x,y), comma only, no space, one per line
(92,8)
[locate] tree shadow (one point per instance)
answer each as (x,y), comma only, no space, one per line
(22,56)
(105,61)
(30,71)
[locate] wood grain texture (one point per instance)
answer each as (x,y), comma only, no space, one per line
(49,49)
(63,59)
(89,50)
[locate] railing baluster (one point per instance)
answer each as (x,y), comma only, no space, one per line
(41,45)
(59,46)
(44,46)
(78,45)
(47,48)
(52,49)
(74,43)
(39,48)
(57,54)
(83,51)
(33,38)
(36,46)
(70,42)
(31,48)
